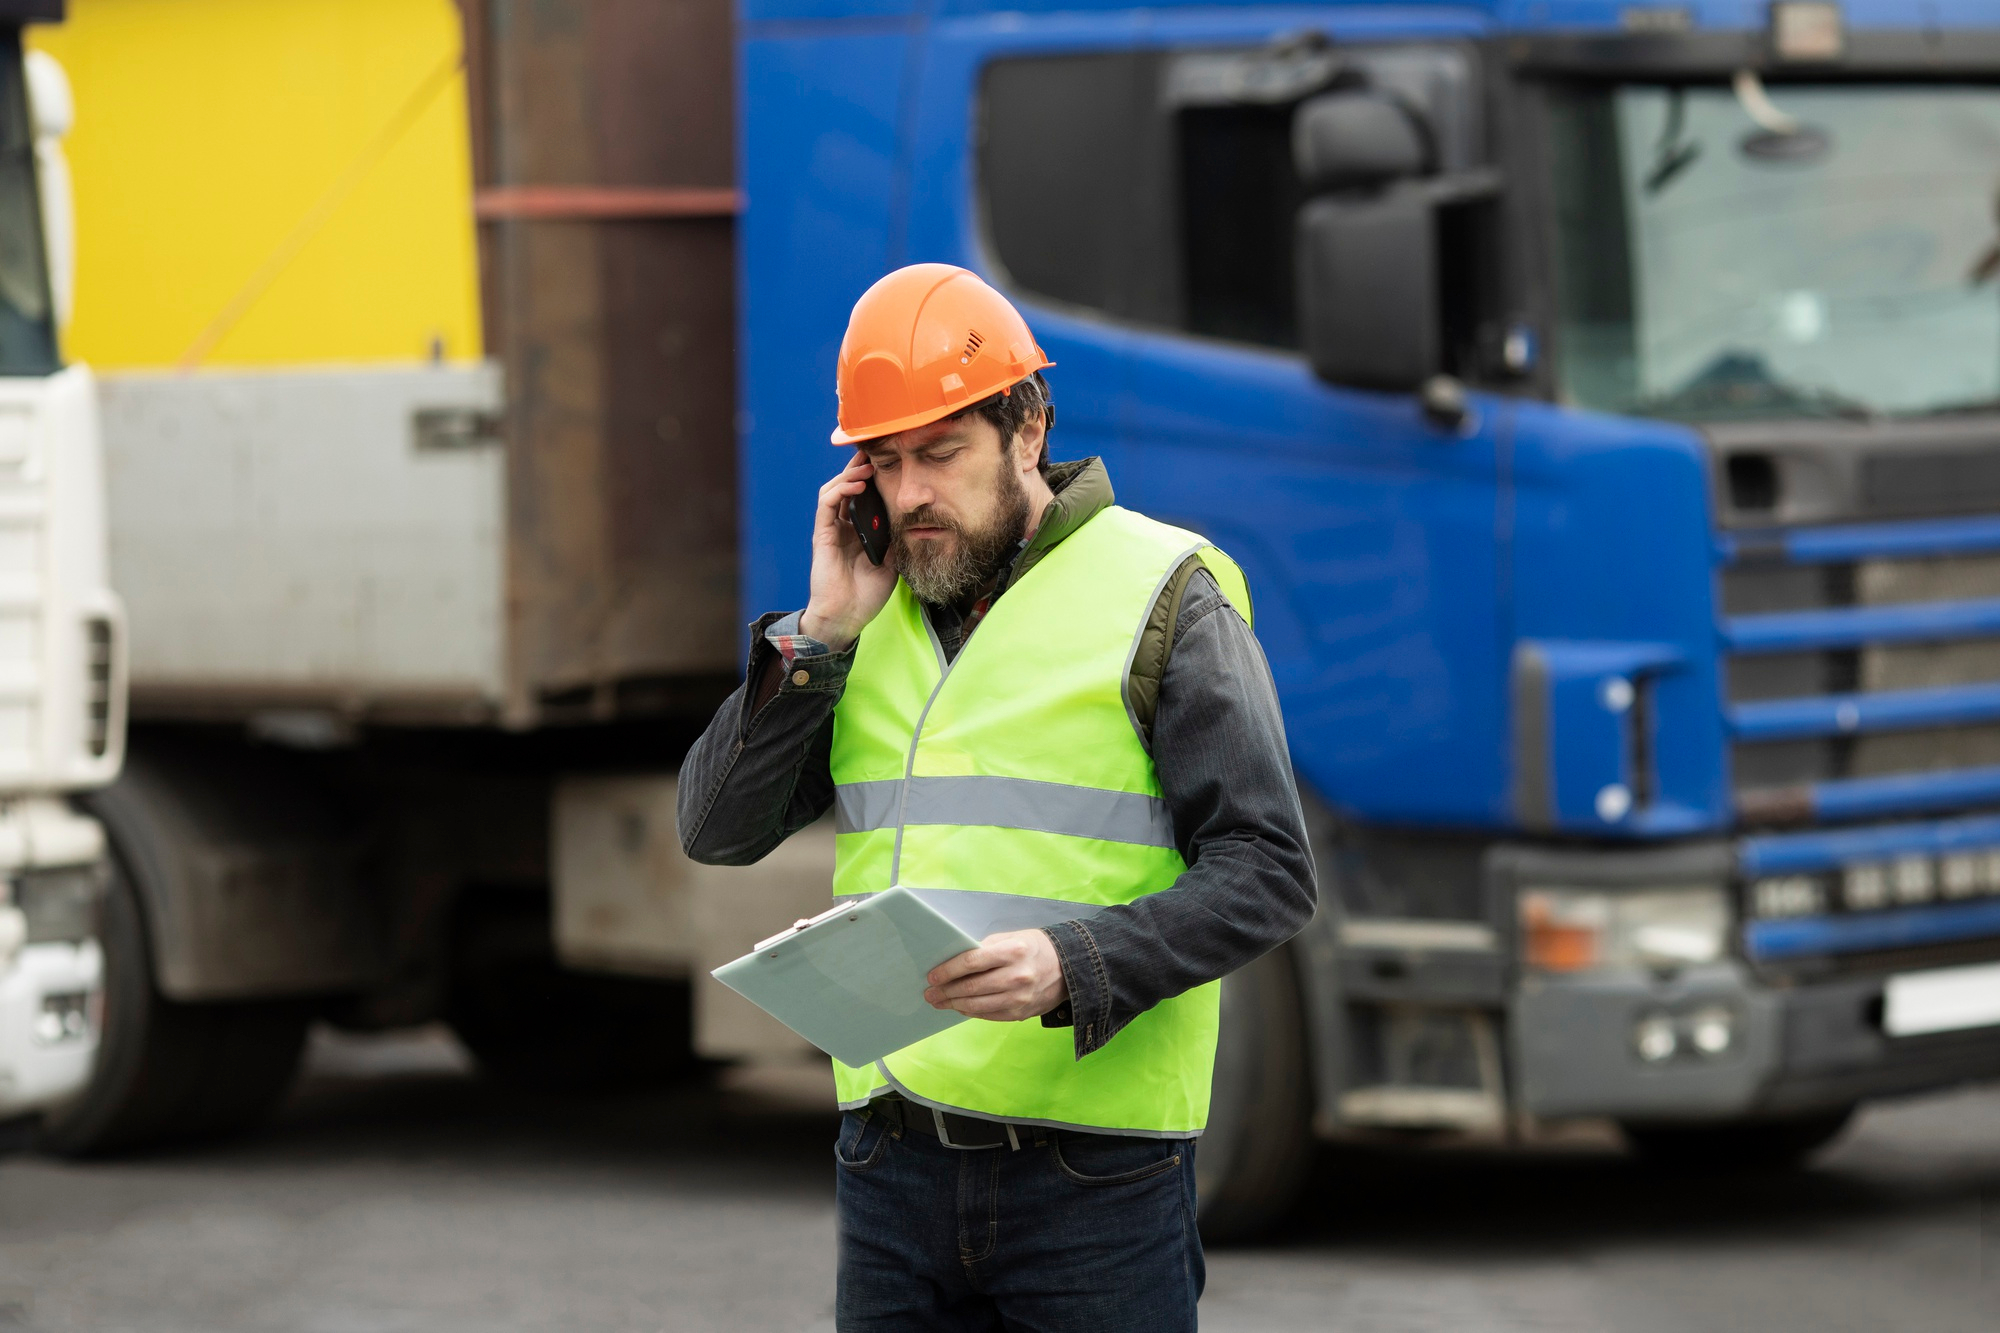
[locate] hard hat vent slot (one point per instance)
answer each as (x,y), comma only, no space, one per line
(973,342)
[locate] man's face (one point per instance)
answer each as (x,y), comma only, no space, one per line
(957,501)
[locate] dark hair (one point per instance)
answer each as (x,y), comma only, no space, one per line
(1010,410)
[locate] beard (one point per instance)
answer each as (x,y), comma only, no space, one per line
(940,570)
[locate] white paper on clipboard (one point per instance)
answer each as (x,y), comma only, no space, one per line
(851,980)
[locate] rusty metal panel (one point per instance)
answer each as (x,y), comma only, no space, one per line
(670,406)
(664,84)
(603,146)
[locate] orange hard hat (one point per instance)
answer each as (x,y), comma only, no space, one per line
(924,342)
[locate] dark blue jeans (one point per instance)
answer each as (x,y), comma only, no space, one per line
(1073,1231)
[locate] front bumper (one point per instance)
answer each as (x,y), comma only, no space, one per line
(51,987)
(1804,1006)
(44,1059)
(1794,1049)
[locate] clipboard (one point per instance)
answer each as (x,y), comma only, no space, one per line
(851,980)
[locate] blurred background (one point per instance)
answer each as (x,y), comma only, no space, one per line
(404,405)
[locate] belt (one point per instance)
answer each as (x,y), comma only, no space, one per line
(952,1129)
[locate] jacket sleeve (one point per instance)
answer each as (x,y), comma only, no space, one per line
(760,773)
(1219,746)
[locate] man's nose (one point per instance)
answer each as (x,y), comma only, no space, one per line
(916,490)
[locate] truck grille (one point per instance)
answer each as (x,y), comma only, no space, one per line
(1860,598)
(1862,639)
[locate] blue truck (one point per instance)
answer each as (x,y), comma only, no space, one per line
(1602,399)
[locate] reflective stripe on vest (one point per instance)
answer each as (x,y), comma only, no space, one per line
(1012,789)
(1050,807)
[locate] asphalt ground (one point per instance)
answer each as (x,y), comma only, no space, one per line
(398,1191)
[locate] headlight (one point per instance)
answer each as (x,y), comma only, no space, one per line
(64,1017)
(1579,930)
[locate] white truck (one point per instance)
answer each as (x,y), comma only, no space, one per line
(62,680)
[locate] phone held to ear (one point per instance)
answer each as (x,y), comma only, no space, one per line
(871,521)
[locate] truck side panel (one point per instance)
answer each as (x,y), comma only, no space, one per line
(310,539)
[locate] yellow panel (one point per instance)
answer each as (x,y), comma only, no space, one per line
(216,138)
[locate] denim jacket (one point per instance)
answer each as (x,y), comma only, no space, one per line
(760,773)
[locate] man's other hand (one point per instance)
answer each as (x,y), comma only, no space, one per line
(1009,977)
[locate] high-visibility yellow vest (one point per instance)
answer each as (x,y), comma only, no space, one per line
(1012,789)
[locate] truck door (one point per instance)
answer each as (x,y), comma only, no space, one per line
(1137,195)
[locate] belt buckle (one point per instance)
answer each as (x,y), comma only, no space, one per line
(937,1118)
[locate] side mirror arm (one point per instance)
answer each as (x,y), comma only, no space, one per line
(1461,187)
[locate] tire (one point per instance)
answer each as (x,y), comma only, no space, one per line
(168,1072)
(1251,1163)
(533,1023)
(1750,1145)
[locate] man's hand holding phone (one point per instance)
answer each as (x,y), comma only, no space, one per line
(848,588)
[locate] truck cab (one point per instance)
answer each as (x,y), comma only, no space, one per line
(61,629)
(1604,404)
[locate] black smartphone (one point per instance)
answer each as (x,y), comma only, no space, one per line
(871,521)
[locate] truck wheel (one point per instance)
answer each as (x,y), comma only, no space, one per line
(531,1022)
(1770,1145)
(169,1072)
(1251,1162)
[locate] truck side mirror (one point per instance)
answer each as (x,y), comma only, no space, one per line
(1369,310)
(1380,252)
(1366,248)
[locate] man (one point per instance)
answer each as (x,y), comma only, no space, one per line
(1046,714)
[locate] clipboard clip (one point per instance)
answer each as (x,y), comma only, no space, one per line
(806,923)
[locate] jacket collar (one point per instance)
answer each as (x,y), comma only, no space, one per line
(1083,490)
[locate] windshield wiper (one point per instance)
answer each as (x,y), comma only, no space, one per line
(1671,155)
(1738,382)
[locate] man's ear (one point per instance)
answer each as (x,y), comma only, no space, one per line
(1029,442)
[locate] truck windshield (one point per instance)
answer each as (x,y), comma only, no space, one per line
(27,325)
(1709,267)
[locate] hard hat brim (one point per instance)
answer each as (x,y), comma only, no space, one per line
(927,416)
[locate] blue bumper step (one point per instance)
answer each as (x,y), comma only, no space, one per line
(1871,932)
(1911,540)
(1850,714)
(1806,853)
(1853,626)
